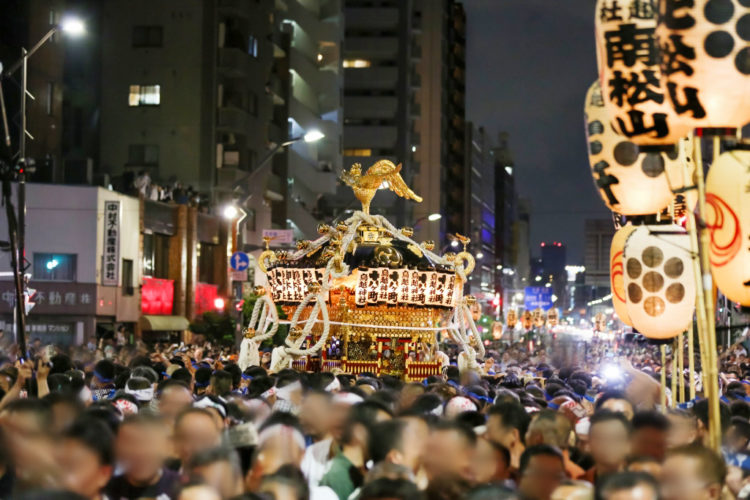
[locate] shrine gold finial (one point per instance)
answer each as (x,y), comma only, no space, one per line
(381,173)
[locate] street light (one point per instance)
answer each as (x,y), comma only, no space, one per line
(230,212)
(314,136)
(434,217)
(73,26)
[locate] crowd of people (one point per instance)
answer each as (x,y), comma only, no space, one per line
(175,422)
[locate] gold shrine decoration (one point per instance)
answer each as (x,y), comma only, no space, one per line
(381,174)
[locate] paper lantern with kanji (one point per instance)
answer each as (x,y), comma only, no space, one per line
(629,181)
(617,272)
(728,219)
(705,46)
(629,72)
(659,281)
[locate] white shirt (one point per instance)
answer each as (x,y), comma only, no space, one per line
(315,462)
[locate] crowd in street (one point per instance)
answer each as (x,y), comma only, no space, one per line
(185,422)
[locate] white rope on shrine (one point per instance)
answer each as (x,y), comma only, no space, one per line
(284,355)
(265,327)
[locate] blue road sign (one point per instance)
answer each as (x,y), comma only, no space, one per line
(239,261)
(537,296)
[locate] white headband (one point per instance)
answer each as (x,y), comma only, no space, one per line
(207,403)
(347,398)
(282,430)
(286,392)
(141,395)
(334,386)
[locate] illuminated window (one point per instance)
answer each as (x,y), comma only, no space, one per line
(144,95)
(55,267)
(357,152)
(356,63)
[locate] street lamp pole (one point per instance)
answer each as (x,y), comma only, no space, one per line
(312,136)
(74,27)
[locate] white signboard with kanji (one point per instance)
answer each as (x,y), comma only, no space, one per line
(111,254)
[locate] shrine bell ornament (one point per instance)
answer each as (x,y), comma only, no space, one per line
(705,47)
(630,182)
(659,283)
(628,57)
(617,273)
(728,220)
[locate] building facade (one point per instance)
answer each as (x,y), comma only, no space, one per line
(200,94)
(440,146)
(485,280)
(598,234)
(85,275)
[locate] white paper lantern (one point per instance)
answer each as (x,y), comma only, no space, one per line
(629,181)
(728,219)
(617,273)
(659,280)
(630,75)
(705,47)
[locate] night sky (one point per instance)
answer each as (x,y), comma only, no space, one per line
(529,65)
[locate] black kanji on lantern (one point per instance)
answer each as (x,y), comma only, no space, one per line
(658,128)
(642,9)
(605,181)
(674,21)
(610,12)
(691,102)
(676,56)
(630,44)
(634,89)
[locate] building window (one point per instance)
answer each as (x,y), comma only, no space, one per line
(252,46)
(148,36)
(357,152)
(55,266)
(127,277)
(143,155)
(207,257)
(156,255)
(144,95)
(356,63)
(50,98)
